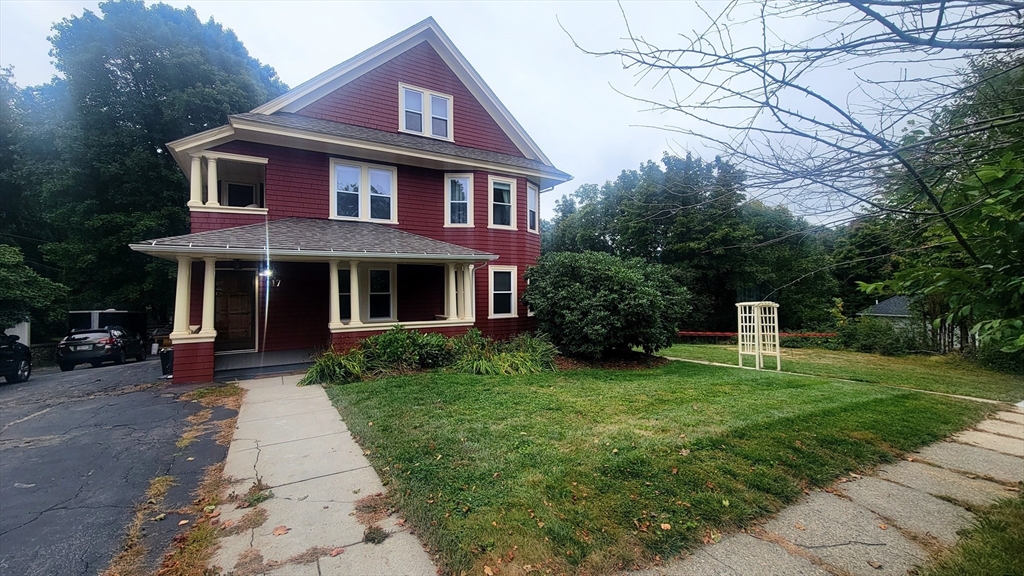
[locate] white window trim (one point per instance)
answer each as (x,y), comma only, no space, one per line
(365,300)
(426,112)
(448,201)
(515,291)
(490,201)
(532,191)
(364,191)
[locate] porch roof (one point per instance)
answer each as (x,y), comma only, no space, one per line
(311,239)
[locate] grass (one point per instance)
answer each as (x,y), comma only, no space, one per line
(993,545)
(934,373)
(591,471)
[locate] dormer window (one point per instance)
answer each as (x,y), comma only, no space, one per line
(424,112)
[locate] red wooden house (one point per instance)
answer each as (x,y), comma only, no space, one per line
(394,188)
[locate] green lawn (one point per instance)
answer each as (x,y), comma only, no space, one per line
(578,471)
(935,373)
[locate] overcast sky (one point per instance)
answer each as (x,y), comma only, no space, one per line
(565,99)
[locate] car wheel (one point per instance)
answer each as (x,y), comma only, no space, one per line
(142,355)
(23,373)
(121,358)
(65,367)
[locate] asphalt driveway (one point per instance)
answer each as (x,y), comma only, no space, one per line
(77,451)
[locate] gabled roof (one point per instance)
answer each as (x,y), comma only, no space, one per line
(897,306)
(429,31)
(311,239)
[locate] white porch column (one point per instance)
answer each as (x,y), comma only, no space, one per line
(353,271)
(467,292)
(196,182)
(453,307)
(209,291)
(182,296)
(211,182)
(335,319)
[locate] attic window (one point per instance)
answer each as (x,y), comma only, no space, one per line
(425,113)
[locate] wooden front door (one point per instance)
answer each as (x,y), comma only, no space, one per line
(235,310)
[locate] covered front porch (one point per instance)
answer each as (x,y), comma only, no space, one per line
(246,311)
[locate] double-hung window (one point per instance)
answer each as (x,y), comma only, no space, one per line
(458,200)
(532,208)
(425,112)
(363,191)
(503,202)
(380,294)
(503,292)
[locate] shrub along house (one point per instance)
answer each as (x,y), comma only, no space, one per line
(394,188)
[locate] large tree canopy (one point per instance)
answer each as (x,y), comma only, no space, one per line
(25,294)
(692,215)
(90,172)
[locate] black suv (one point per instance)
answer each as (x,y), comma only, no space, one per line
(98,345)
(15,359)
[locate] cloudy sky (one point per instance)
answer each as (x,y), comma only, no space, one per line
(565,99)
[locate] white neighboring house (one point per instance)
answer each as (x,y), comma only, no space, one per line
(23,331)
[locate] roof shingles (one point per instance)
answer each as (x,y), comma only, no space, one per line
(314,235)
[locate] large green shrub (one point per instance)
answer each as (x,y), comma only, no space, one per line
(592,304)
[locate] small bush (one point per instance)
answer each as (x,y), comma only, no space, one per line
(992,358)
(592,304)
(336,368)
(876,336)
(436,351)
(396,349)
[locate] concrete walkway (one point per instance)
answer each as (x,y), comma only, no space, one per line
(881,525)
(293,441)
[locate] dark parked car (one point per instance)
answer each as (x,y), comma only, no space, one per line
(15,359)
(96,346)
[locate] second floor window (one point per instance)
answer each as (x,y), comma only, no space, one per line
(363,191)
(458,199)
(532,208)
(503,202)
(424,112)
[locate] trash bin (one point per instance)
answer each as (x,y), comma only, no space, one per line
(167,360)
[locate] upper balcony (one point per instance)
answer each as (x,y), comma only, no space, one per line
(227,183)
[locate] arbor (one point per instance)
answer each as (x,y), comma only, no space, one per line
(826,121)
(26,294)
(93,164)
(592,303)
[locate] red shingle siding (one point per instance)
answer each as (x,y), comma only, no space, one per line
(372,100)
(206,221)
(193,363)
(299,308)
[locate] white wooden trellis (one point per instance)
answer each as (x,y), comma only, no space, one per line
(758,334)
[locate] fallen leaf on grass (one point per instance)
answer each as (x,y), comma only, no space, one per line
(183,522)
(666,526)
(227,524)
(281,530)
(488,571)
(337,551)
